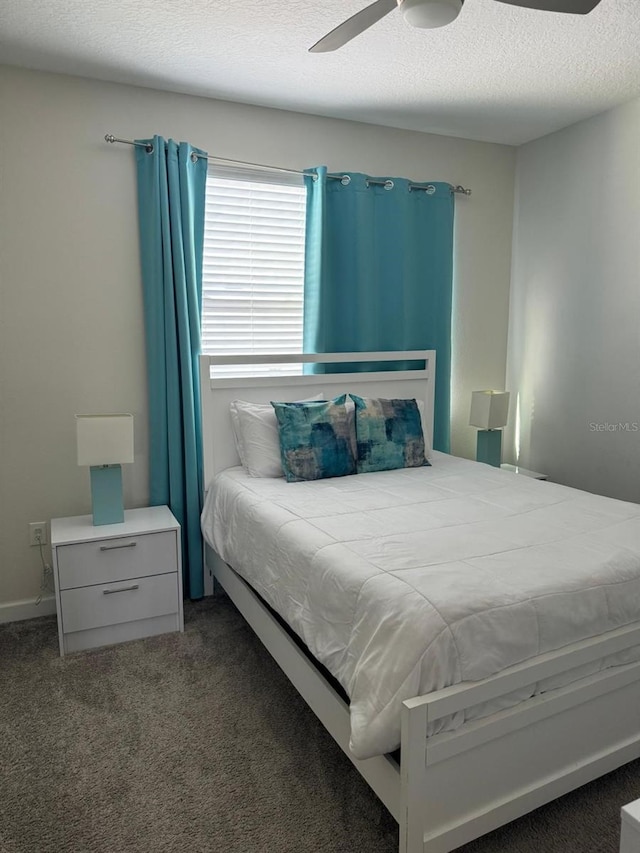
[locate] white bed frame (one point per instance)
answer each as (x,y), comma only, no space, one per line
(454,787)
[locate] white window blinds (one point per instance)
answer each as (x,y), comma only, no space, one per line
(253,265)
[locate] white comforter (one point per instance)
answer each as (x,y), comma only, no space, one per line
(404,582)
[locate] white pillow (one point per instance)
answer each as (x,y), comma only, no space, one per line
(255,429)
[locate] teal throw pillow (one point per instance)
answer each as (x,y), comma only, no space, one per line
(388,434)
(314,439)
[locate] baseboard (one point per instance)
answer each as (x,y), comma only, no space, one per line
(16,611)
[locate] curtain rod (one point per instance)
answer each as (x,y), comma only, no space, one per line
(345,179)
(148,147)
(388,185)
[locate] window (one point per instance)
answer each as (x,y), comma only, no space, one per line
(253,265)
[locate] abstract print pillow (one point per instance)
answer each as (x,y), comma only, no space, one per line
(388,434)
(314,440)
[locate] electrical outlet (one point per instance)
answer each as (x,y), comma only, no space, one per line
(38,533)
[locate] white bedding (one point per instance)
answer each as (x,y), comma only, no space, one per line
(404,582)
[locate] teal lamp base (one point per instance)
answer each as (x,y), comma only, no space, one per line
(489,447)
(106,494)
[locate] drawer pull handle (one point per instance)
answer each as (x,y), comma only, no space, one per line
(115,547)
(122,589)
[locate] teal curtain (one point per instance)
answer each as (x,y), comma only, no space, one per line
(379,271)
(171,198)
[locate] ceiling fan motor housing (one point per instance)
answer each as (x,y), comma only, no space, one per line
(429,14)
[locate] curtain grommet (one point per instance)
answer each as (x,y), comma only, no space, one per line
(345,180)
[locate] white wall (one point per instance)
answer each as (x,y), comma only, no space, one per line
(71,338)
(574,334)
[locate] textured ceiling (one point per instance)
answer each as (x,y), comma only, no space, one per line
(498,73)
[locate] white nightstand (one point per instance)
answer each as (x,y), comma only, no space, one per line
(630,829)
(116,582)
(516,469)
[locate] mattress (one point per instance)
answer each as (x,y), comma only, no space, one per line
(404,582)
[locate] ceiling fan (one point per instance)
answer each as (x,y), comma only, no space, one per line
(430,14)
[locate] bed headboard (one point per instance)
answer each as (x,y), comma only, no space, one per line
(218,444)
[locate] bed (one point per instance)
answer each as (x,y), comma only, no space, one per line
(563,706)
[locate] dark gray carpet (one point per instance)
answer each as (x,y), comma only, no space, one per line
(198,743)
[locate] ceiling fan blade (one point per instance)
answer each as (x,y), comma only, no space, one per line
(572,7)
(355,25)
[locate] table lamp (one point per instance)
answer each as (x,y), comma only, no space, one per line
(104,443)
(489,411)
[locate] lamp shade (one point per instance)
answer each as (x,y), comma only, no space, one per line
(104,439)
(489,409)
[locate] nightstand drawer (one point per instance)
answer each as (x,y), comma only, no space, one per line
(117,559)
(112,603)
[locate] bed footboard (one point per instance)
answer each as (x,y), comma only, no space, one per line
(459,785)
